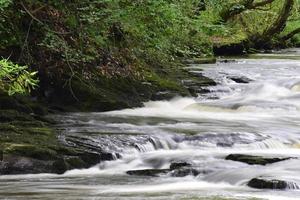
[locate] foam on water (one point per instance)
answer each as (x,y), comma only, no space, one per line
(259,118)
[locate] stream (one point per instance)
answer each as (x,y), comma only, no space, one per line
(253,110)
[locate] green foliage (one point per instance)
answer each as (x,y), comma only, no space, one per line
(4,4)
(119,35)
(15,78)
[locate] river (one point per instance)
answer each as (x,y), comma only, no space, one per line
(258,115)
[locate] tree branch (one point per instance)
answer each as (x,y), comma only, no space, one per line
(291,34)
(261,3)
(238,8)
(30,14)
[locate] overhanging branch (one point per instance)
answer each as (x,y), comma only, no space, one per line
(291,34)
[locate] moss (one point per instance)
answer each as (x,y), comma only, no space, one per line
(75,162)
(11,115)
(23,135)
(28,150)
(22,104)
(201,60)
(163,83)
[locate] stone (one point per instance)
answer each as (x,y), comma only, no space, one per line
(260,183)
(148,172)
(241,79)
(178,165)
(253,160)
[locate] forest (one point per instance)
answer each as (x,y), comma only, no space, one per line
(55,46)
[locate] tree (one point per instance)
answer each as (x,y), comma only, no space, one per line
(291,34)
(280,23)
(237,8)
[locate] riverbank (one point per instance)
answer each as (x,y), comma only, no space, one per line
(31,144)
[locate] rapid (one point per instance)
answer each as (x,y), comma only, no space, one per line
(253,110)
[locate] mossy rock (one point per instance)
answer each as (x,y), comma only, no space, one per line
(12,115)
(27,150)
(22,104)
(203,60)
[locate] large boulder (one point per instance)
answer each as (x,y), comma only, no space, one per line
(261,183)
(29,145)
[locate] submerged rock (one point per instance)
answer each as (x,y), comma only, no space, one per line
(178,165)
(177,169)
(148,172)
(254,160)
(185,171)
(240,79)
(181,169)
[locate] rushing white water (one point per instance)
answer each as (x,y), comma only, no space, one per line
(261,117)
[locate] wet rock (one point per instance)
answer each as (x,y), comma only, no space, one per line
(254,160)
(181,169)
(162,95)
(200,80)
(237,48)
(178,165)
(204,60)
(148,172)
(227,61)
(30,146)
(260,183)
(13,164)
(240,79)
(225,144)
(185,171)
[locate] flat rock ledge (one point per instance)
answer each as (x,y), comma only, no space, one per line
(254,160)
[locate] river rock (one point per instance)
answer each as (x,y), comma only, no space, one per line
(12,164)
(260,183)
(227,61)
(178,165)
(203,60)
(148,172)
(240,79)
(185,171)
(254,160)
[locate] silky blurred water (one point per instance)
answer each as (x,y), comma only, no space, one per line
(261,117)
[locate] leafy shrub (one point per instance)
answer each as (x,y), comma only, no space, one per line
(15,78)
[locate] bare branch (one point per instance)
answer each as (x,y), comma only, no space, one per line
(30,14)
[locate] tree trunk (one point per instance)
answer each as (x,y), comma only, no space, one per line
(235,9)
(281,20)
(243,5)
(291,34)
